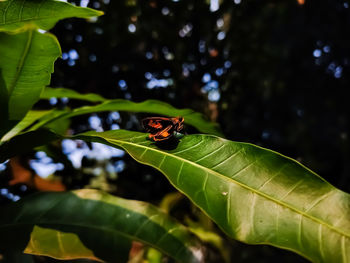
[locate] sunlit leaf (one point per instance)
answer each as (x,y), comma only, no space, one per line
(18,15)
(91,224)
(255,195)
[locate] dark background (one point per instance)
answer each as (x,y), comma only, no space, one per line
(273,73)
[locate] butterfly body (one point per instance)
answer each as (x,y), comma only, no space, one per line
(161,128)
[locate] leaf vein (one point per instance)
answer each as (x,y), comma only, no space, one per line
(300,231)
(161,162)
(189,148)
(324,196)
(21,10)
(292,188)
(343,249)
(252,213)
(320,241)
(272,177)
(143,224)
(21,62)
(225,160)
(6,9)
(178,174)
(60,243)
(207,155)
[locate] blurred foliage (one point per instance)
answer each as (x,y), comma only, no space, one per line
(272,73)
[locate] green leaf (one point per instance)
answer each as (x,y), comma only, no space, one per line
(31,117)
(19,15)
(91,224)
(26,65)
(47,119)
(71,94)
(192,118)
(255,195)
(4,123)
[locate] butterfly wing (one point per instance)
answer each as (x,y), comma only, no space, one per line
(161,128)
(164,134)
(155,124)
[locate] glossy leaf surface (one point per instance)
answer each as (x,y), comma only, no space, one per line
(155,107)
(26,65)
(18,15)
(91,224)
(255,195)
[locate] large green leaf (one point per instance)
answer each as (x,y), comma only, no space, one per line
(91,224)
(255,195)
(192,118)
(26,65)
(18,15)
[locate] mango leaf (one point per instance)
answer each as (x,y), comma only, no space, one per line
(26,65)
(91,224)
(255,195)
(18,15)
(46,119)
(31,117)
(71,94)
(5,124)
(192,118)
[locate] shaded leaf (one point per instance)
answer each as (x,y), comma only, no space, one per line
(26,64)
(18,15)
(255,195)
(47,119)
(192,118)
(91,224)
(4,123)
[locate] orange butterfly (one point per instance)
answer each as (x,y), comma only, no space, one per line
(161,128)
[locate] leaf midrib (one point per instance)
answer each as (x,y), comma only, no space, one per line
(30,19)
(21,62)
(233,181)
